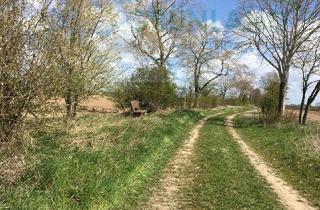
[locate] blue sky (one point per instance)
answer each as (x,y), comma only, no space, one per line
(221,8)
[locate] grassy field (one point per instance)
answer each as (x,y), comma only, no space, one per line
(290,149)
(96,161)
(224,178)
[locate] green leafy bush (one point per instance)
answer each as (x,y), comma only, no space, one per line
(153,87)
(270,99)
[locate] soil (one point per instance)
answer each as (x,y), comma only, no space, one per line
(94,103)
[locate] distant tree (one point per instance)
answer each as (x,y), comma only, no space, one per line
(278,29)
(256,97)
(225,84)
(243,83)
(80,31)
(203,53)
(308,62)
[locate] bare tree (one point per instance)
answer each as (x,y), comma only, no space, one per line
(239,82)
(308,62)
(25,72)
(155,30)
(225,84)
(203,53)
(81,31)
(243,83)
(277,29)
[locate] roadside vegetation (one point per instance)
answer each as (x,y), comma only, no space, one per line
(156,55)
(224,178)
(292,150)
(97,161)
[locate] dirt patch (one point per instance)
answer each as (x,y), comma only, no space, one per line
(312,141)
(99,103)
(94,103)
(166,195)
(289,197)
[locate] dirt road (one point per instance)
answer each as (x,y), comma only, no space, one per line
(166,196)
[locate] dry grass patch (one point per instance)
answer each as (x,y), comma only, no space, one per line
(11,168)
(100,131)
(312,141)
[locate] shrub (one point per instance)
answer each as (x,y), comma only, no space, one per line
(209,101)
(270,99)
(151,86)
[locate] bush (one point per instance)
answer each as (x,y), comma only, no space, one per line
(209,101)
(152,87)
(270,100)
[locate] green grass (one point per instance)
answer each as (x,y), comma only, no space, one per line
(225,179)
(97,161)
(285,148)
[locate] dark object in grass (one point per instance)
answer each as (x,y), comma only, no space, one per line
(136,109)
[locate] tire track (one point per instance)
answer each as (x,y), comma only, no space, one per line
(166,196)
(289,197)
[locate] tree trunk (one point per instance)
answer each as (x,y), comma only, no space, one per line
(306,112)
(196,98)
(311,99)
(304,91)
(196,89)
(68,100)
(282,96)
(224,94)
(75,103)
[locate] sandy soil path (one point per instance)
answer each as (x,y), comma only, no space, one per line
(166,195)
(289,197)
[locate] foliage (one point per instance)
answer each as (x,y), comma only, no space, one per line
(243,84)
(50,49)
(82,51)
(270,99)
(209,101)
(152,87)
(25,71)
(237,86)
(256,97)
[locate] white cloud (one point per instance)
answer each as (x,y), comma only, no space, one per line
(260,68)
